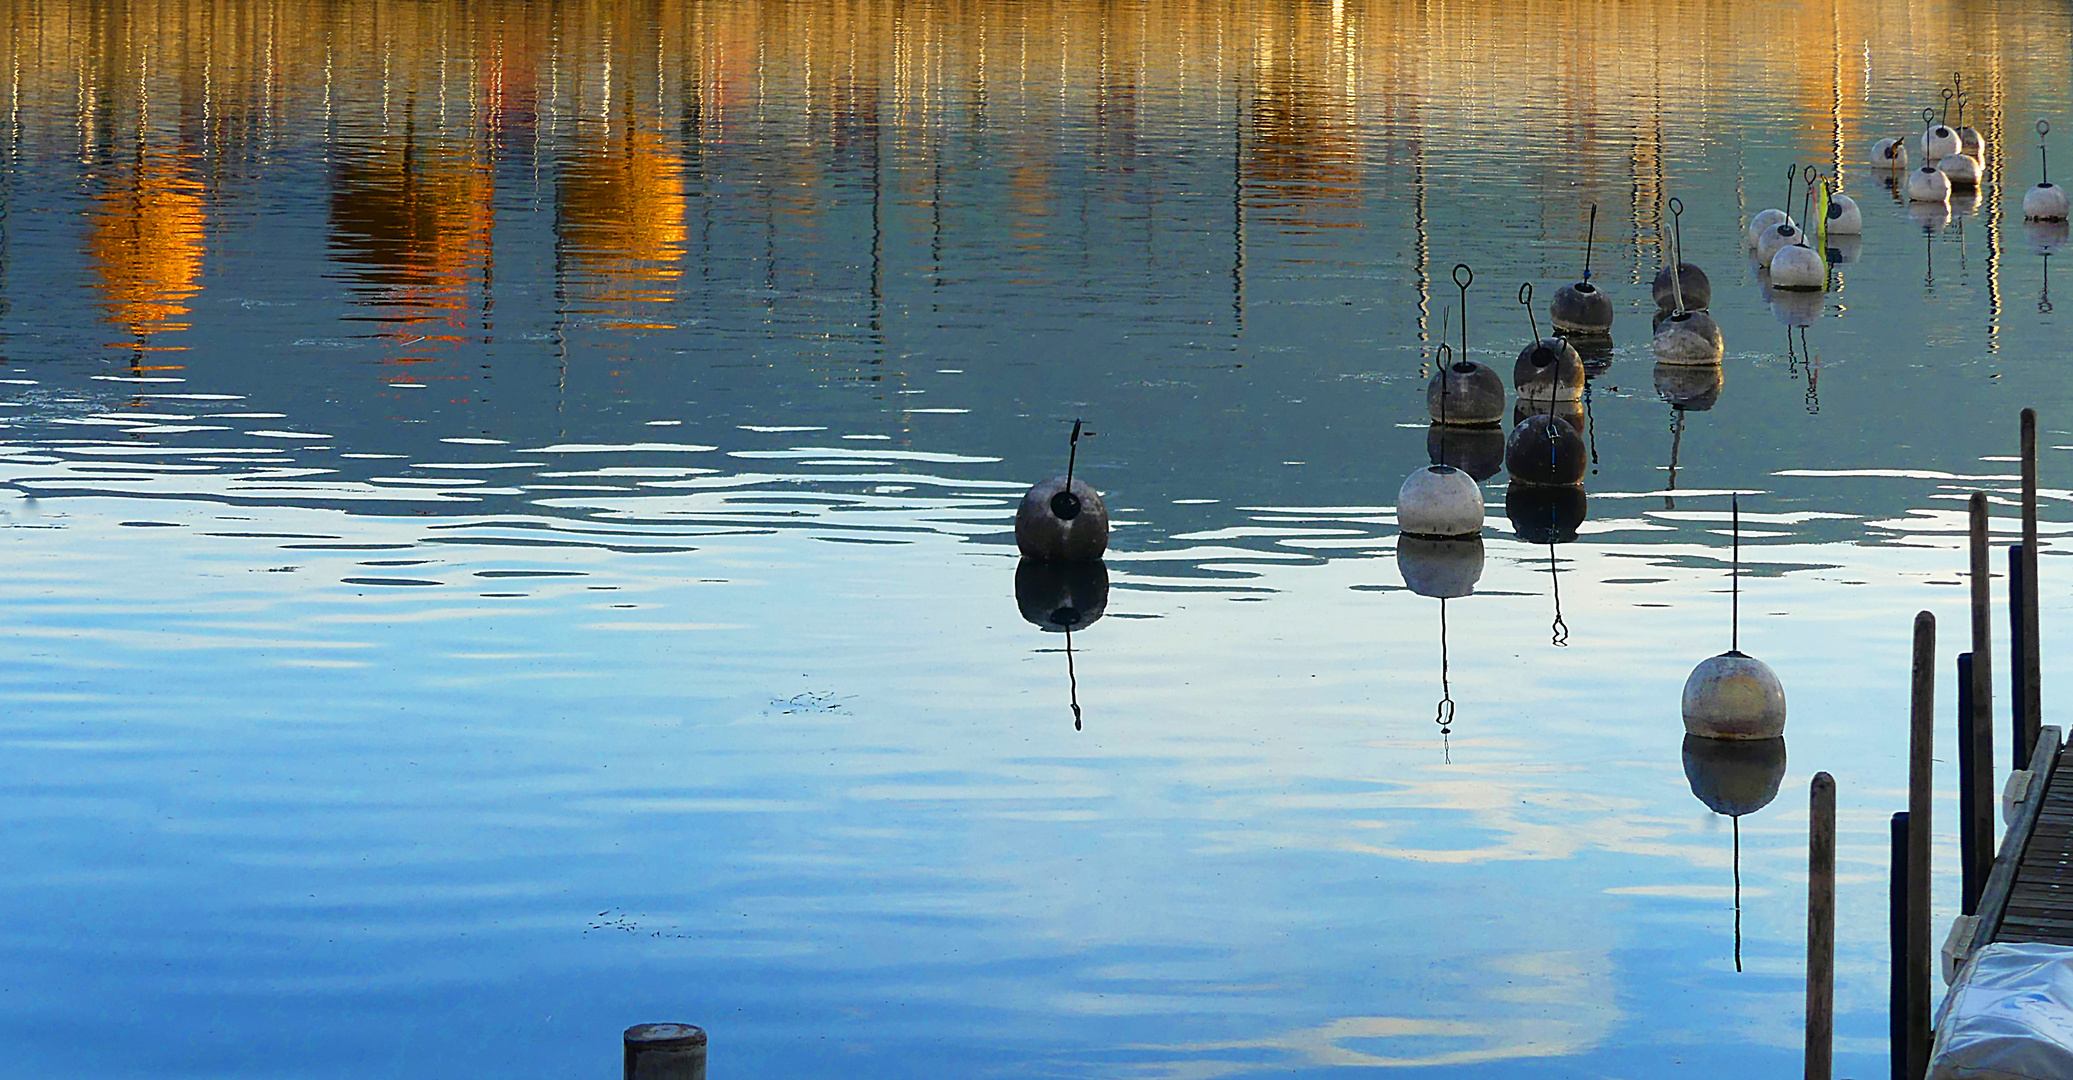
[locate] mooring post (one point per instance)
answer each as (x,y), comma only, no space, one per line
(1921,741)
(1896,948)
(1821,927)
(1975,806)
(2031,656)
(2018,693)
(665,1052)
(1978,813)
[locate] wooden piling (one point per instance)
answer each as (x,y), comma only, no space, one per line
(1821,928)
(1896,947)
(1978,813)
(2018,691)
(665,1052)
(1975,796)
(2031,656)
(1921,741)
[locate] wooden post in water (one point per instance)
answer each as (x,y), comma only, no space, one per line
(1921,741)
(1821,928)
(1978,813)
(665,1052)
(2018,692)
(1975,798)
(1896,948)
(2031,655)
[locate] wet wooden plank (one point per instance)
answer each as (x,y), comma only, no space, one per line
(2030,888)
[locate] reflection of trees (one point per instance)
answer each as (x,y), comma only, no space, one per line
(145,245)
(411,223)
(622,213)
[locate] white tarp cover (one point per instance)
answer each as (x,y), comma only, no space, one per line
(2010,1017)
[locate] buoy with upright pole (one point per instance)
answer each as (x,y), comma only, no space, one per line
(1845,218)
(1548,369)
(2046,201)
(1063,518)
(1765,220)
(1928,184)
(1970,142)
(1798,266)
(1734,695)
(1581,307)
(1439,501)
(1686,337)
(1680,285)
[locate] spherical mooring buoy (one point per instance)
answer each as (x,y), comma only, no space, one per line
(1762,222)
(1928,184)
(1775,239)
(1798,268)
(1889,154)
(1734,696)
(1937,143)
(1440,502)
(1058,523)
(1440,569)
(1972,144)
(1549,370)
(1479,452)
(1465,394)
(1581,308)
(1061,596)
(1845,218)
(2045,202)
(1734,777)
(1698,290)
(1546,450)
(1691,337)
(1962,170)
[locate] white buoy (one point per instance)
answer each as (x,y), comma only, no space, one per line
(1440,569)
(1938,142)
(1690,337)
(1063,519)
(1763,220)
(1889,154)
(1844,216)
(1963,171)
(1439,502)
(1798,267)
(1972,144)
(2046,201)
(1775,239)
(1734,696)
(1928,184)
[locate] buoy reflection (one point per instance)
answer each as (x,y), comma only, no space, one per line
(1061,597)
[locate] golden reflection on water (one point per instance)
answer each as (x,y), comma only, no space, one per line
(1318,105)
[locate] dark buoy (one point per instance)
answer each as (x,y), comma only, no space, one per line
(1545,515)
(1734,777)
(1063,519)
(1479,451)
(1464,393)
(1571,412)
(1690,337)
(665,1052)
(1595,350)
(1548,369)
(1440,569)
(1547,450)
(1698,288)
(1581,308)
(1060,596)
(1690,387)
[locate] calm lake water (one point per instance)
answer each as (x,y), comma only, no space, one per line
(507,509)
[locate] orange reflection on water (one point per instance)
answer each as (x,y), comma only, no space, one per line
(145,245)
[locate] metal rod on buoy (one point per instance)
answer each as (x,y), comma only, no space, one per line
(2031,657)
(1921,743)
(1677,251)
(1975,804)
(1821,928)
(1590,235)
(1735,578)
(1896,947)
(665,1052)
(1979,813)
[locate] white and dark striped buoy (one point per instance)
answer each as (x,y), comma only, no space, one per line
(1063,519)
(2046,201)
(1581,307)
